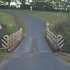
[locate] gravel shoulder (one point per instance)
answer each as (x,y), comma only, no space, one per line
(63,56)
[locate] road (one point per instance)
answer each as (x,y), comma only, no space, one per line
(33,52)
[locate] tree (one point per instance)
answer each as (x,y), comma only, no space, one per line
(23,4)
(6,1)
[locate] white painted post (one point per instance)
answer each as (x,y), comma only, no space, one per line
(0,26)
(31,8)
(47,26)
(20,32)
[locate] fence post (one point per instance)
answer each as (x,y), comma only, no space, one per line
(8,43)
(57,42)
(20,32)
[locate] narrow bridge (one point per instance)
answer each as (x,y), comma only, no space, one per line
(33,52)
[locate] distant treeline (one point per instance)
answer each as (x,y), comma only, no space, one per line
(42,5)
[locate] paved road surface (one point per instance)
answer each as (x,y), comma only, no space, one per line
(33,53)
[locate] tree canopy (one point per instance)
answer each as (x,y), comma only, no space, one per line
(52,5)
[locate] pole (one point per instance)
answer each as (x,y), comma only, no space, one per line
(60,50)
(59,12)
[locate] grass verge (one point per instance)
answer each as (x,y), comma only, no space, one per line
(50,17)
(11,23)
(3,56)
(64,56)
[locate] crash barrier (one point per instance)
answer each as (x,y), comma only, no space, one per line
(56,40)
(9,41)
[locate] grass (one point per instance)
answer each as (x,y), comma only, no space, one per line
(3,56)
(64,56)
(9,22)
(47,16)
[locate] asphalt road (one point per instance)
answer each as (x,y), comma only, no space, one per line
(33,52)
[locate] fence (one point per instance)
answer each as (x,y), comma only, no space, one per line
(56,41)
(9,41)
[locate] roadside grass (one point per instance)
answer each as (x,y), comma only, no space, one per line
(50,17)
(9,21)
(3,56)
(64,56)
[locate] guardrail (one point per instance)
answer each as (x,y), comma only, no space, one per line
(56,41)
(9,41)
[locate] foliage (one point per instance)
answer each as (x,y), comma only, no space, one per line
(3,2)
(52,5)
(3,56)
(63,28)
